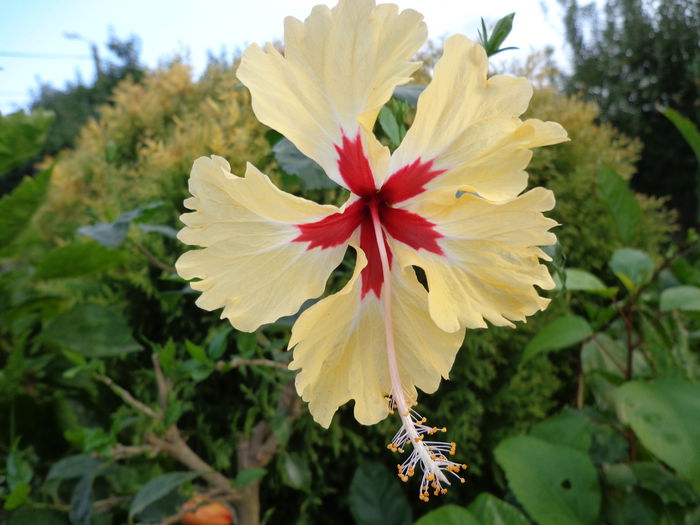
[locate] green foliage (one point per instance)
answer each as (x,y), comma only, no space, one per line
(294,162)
(91,330)
(621,202)
(629,57)
(659,413)
(686,128)
(501,30)
(22,136)
(560,333)
(78,102)
(487,508)
(19,207)
(554,483)
(633,267)
(157,488)
(572,173)
(680,298)
(448,515)
(376,497)
(76,259)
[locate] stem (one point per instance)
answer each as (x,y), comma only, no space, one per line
(127,397)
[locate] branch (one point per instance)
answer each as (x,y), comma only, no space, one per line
(176,447)
(239,361)
(163,384)
(120,451)
(129,399)
(153,260)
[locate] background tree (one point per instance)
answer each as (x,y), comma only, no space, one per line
(73,105)
(630,59)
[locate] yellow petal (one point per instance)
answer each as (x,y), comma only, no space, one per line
(469,125)
(346,358)
(250,266)
(340,66)
(491,260)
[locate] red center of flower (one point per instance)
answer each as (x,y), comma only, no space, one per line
(404,226)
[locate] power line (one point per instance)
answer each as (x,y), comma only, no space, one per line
(44,56)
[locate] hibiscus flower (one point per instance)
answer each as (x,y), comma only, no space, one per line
(449,200)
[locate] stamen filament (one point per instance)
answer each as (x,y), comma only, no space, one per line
(430,455)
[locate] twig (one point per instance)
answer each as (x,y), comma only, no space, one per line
(176,447)
(129,399)
(163,384)
(259,449)
(120,451)
(153,259)
(100,505)
(239,361)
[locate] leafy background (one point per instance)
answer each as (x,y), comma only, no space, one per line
(120,400)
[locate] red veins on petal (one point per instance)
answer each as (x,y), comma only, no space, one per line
(333,230)
(354,167)
(410,228)
(402,225)
(409,181)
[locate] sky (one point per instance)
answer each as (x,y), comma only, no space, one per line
(34,48)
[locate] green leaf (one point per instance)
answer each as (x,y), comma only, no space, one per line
(621,202)
(631,506)
(619,475)
(311,175)
(488,509)
(18,496)
(18,468)
(560,333)
(91,330)
(376,497)
(81,507)
(680,298)
(449,515)
(197,352)
(687,129)
(296,472)
(22,136)
(665,416)
(581,280)
(76,259)
(555,484)
(570,428)
(633,267)
(28,516)
(500,32)
(409,94)
(218,342)
(604,362)
(17,208)
(158,488)
(249,475)
(655,478)
(73,467)
(389,125)
(112,234)
(161,229)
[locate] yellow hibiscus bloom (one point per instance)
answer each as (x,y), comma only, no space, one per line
(449,200)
